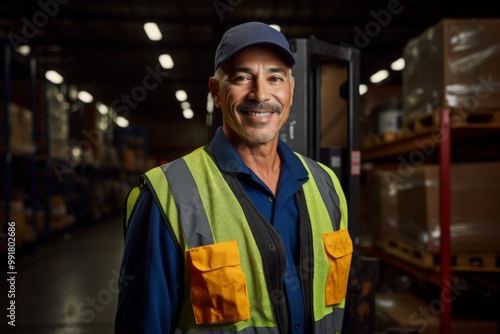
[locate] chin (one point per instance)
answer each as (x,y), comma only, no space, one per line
(260,138)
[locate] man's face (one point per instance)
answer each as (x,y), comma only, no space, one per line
(255,93)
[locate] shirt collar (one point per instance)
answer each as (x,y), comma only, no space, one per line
(229,160)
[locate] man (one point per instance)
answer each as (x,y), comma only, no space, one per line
(242,235)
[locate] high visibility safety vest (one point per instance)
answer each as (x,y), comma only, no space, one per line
(235,260)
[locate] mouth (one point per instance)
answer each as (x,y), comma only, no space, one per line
(256,113)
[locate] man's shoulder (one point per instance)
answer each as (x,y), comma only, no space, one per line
(197,152)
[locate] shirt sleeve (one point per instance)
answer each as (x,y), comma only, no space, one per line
(151,275)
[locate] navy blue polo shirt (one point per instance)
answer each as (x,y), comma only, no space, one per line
(151,300)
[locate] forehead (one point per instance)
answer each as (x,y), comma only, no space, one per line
(258,54)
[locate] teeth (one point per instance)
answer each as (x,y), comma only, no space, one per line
(259,114)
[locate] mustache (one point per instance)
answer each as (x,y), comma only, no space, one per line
(247,106)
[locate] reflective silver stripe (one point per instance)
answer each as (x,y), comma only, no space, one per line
(248,330)
(331,321)
(327,191)
(188,202)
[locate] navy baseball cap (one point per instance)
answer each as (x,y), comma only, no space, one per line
(248,34)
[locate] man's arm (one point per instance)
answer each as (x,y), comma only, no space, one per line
(152,274)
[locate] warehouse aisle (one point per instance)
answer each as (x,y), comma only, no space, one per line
(70,286)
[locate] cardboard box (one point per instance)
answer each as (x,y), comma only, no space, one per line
(24,231)
(57,121)
(455,63)
(374,101)
(475,209)
(378,205)
(383,202)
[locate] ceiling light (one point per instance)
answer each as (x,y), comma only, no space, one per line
(85,97)
(54,77)
(363,89)
(188,113)
(398,65)
(122,122)
(72,92)
(210,103)
(152,31)
(181,95)
(379,76)
(103,124)
(103,110)
(24,50)
(185,105)
(275,26)
(166,61)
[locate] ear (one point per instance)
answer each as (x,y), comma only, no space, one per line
(292,87)
(213,85)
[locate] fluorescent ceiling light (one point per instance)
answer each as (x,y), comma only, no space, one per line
(379,76)
(54,77)
(398,65)
(24,50)
(275,26)
(185,105)
(85,97)
(152,31)
(122,122)
(363,89)
(166,61)
(103,110)
(188,113)
(181,95)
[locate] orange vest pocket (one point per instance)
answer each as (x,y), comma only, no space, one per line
(338,247)
(218,286)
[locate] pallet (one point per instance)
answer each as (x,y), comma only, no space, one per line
(464,261)
(382,139)
(458,117)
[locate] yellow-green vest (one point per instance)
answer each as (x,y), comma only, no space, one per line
(232,252)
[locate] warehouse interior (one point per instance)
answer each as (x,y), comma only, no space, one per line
(418,150)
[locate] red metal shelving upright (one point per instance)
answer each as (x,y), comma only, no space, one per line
(445,217)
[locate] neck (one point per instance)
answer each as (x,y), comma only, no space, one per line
(263,159)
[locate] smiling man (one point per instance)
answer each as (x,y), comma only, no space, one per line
(243,235)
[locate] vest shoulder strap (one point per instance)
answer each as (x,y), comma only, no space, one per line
(130,201)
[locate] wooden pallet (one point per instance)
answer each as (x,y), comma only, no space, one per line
(382,139)
(483,261)
(409,253)
(458,117)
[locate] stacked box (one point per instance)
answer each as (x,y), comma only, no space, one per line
(383,206)
(475,209)
(60,220)
(58,123)
(21,129)
(24,232)
(455,63)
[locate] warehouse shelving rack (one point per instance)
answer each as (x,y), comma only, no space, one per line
(42,179)
(17,67)
(447,132)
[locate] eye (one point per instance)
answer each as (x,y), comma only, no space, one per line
(276,79)
(240,78)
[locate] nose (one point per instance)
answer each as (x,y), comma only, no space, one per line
(260,91)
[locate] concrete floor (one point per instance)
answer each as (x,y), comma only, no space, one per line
(70,285)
